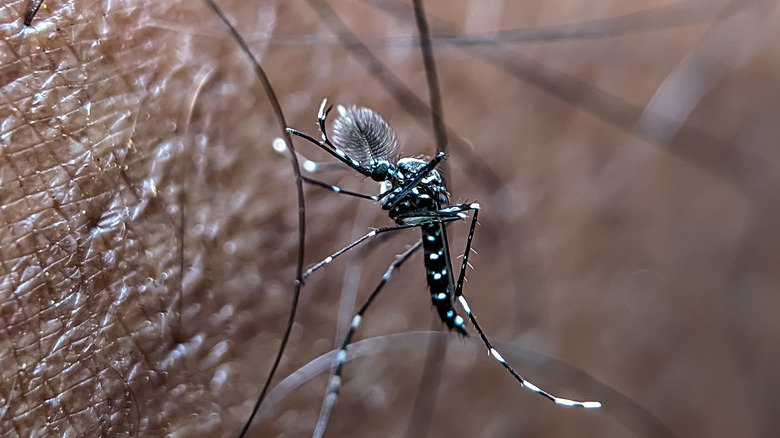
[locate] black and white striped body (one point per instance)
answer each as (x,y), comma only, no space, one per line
(427,197)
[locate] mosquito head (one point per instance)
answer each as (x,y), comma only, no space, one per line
(382,170)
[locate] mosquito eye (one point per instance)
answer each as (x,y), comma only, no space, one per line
(380,171)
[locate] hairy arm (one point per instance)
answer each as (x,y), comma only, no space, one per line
(131,238)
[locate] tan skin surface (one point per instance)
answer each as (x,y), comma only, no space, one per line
(149,232)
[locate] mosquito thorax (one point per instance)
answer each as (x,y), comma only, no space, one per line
(432,183)
(408,167)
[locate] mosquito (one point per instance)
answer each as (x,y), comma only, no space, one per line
(414,194)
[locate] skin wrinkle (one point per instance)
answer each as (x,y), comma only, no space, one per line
(148,231)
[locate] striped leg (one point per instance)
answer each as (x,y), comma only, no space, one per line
(325,144)
(398,193)
(491,349)
(307,165)
(315,167)
(339,154)
(444,215)
(337,189)
(370,234)
(341,356)
(438,264)
(447,214)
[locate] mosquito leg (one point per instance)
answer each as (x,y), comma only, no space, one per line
(462,276)
(315,167)
(338,189)
(491,349)
(325,143)
(341,356)
(446,214)
(310,166)
(371,234)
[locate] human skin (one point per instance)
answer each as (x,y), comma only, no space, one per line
(149,232)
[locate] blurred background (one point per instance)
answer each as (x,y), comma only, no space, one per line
(624,154)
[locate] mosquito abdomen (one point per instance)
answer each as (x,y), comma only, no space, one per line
(438,273)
